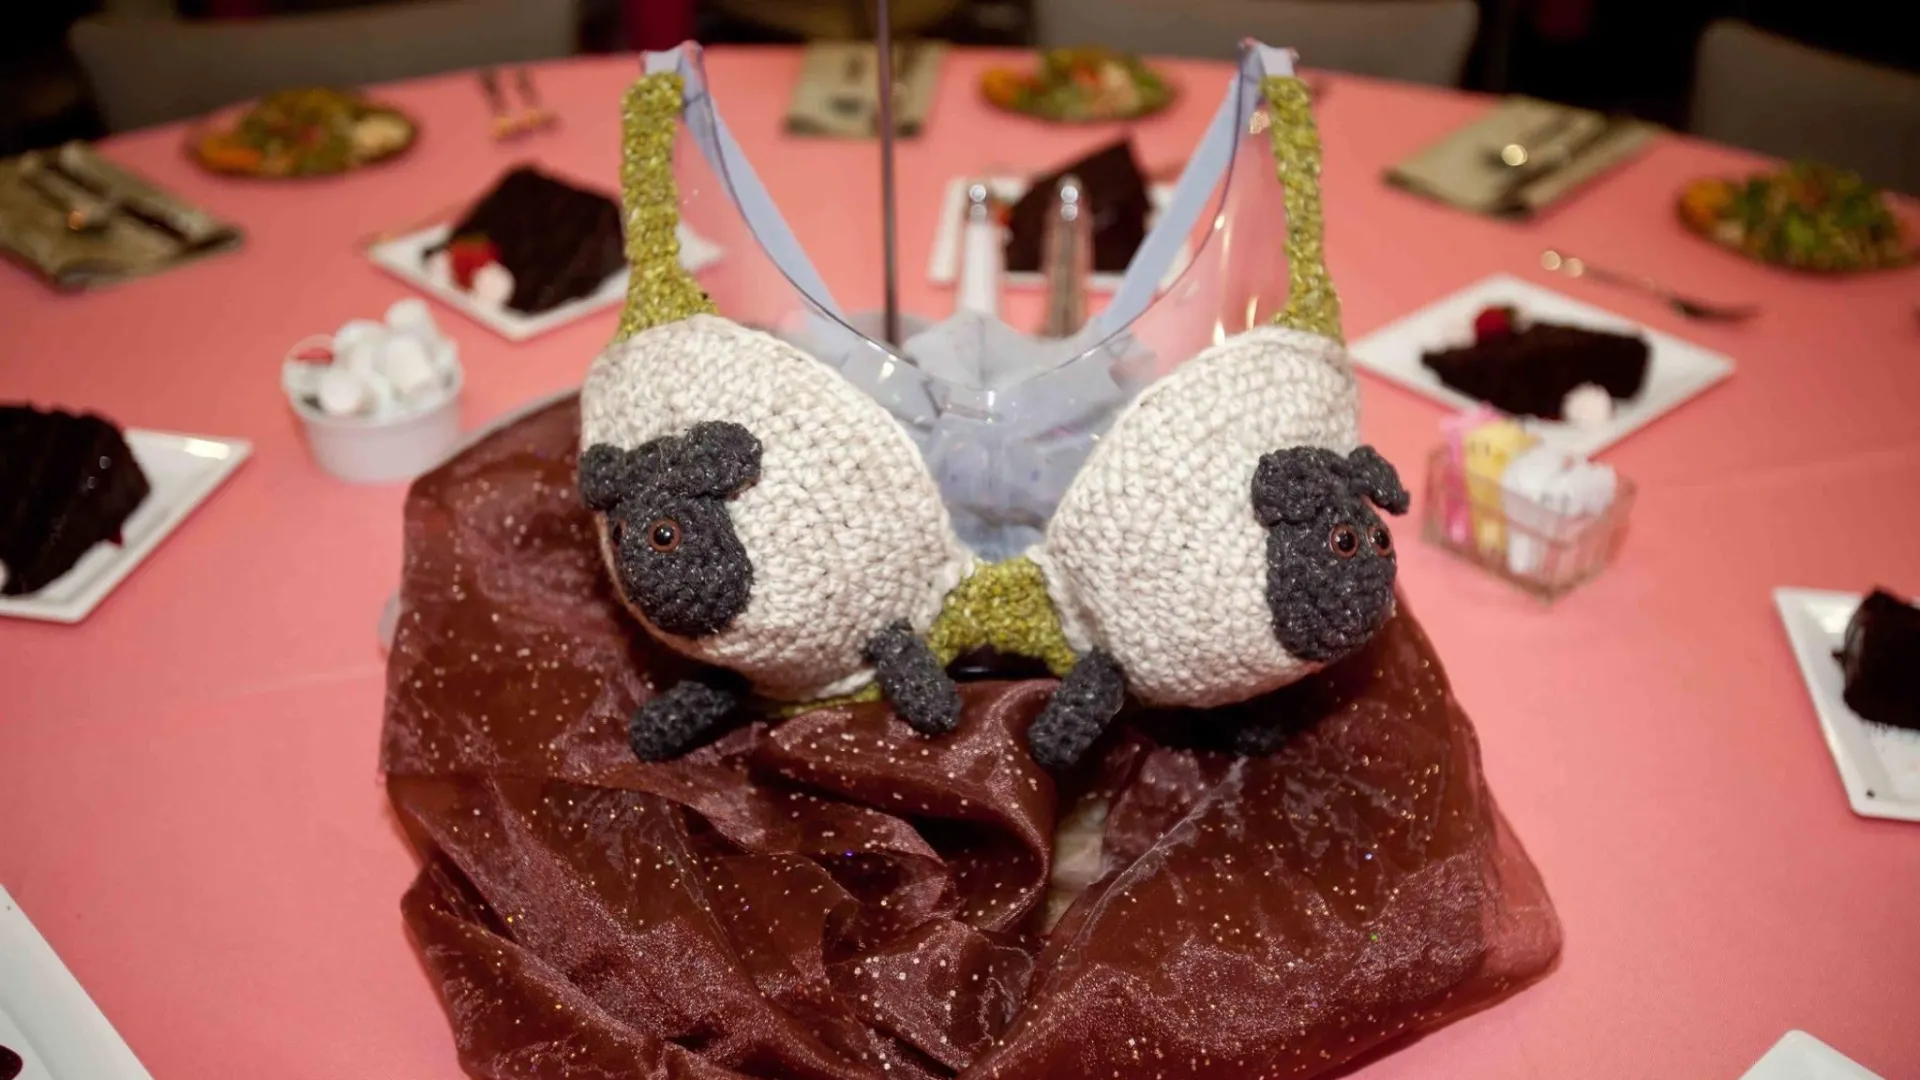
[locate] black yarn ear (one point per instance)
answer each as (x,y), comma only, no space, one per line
(1292,485)
(607,475)
(718,459)
(1373,476)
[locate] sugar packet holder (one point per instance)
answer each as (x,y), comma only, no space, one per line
(1541,518)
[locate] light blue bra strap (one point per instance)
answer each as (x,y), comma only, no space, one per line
(1194,193)
(730,164)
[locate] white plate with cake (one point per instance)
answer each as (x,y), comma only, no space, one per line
(78,519)
(49,1028)
(1582,377)
(1879,763)
(532,255)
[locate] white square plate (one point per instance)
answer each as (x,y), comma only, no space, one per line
(943,266)
(1879,765)
(45,1016)
(1800,1056)
(182,470)
(405,258)
(1676,370)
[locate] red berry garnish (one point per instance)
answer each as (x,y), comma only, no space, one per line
(466,255)
(1494,322)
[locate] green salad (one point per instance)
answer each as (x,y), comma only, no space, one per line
(1807,216)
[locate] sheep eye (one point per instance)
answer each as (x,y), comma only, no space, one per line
(663,535)
(1382,541)
(1345,541)
(616,532)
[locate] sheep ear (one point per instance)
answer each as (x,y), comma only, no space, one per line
(1372,476)
(1292,485)
(607,475)
(718,459)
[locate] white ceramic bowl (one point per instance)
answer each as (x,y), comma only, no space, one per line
(386,450)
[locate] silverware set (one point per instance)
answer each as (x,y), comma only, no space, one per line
(85,211)
(1522,150)
(857,96)
(1542,150)
(511,123)
(90,199)
(1573,266)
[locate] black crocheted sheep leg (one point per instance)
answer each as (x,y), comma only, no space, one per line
(1086,702)
(913,681)
(679,720)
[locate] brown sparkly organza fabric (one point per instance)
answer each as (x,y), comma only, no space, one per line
(837,897)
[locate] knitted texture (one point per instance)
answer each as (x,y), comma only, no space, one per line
(668,536)
(1330,559)
(1086,701)
(672,723)
(914,683)
(659,290)
(844,528)
(1003,605)
(1312,302)
(1156,554)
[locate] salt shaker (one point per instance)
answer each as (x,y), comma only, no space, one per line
(983,254)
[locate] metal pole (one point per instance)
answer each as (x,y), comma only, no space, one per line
(883,49)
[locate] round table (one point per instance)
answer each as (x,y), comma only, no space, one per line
(190,807)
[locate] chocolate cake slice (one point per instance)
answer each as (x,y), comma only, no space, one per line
(1528,370)
(560,242)
(67,482)
(1115,187)
(1881,661)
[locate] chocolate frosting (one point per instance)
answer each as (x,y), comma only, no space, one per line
(835,896)
(67,482)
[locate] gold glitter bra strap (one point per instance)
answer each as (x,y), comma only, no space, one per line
(659,289)
(1312,303)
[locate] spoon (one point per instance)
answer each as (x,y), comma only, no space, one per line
(1576,267)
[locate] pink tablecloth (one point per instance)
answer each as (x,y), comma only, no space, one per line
(189,807)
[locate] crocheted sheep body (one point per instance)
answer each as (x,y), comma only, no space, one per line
(760,513)
(842,525)
(1156,554)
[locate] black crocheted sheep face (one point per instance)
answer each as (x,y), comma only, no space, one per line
(677,559)
(1330,560)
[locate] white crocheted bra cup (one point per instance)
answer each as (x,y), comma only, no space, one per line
(1155,554)
(1142,498)
(845,528)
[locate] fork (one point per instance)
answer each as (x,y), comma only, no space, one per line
(534,115)
(1575,267)
(505,124)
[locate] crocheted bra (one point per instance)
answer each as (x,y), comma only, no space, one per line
(783,507)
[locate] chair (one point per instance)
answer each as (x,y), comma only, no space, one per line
(147,71)
(1424,41)
(1775,95)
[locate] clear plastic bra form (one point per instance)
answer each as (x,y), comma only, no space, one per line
(1004,419)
